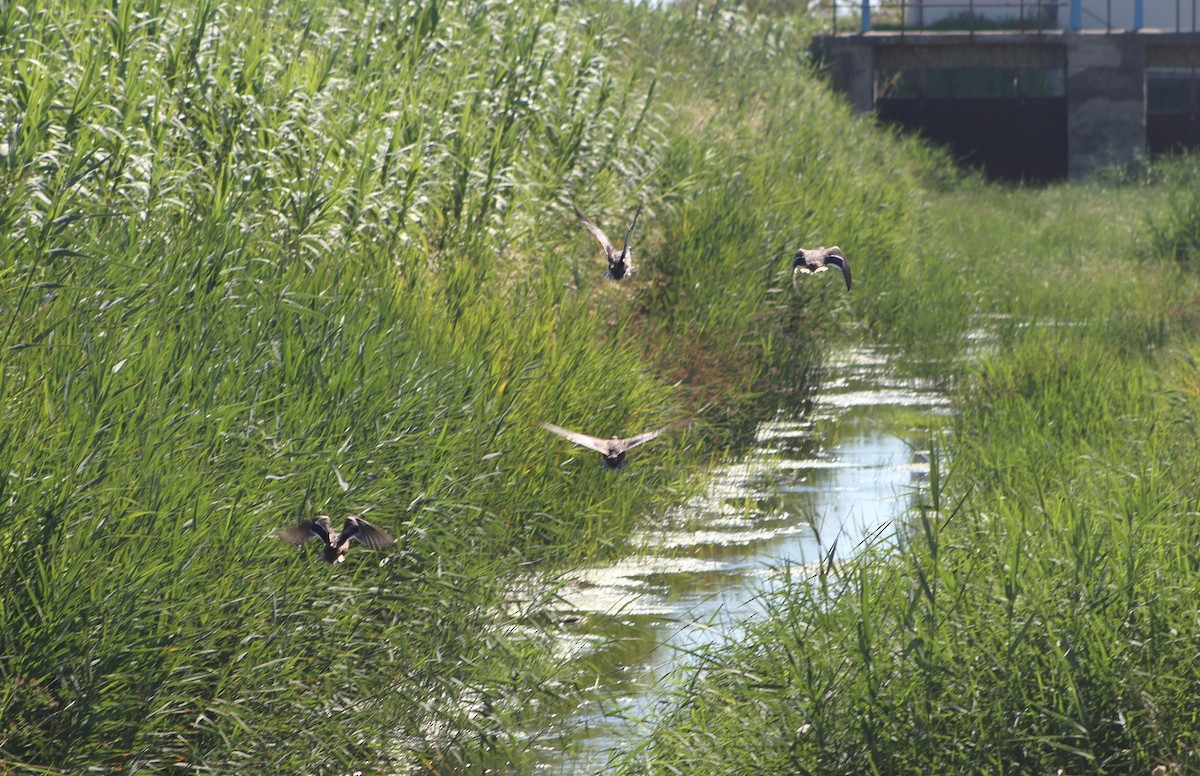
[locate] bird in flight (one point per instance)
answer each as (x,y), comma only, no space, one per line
(619,264)
(337,542)
(812,260)
(613,450)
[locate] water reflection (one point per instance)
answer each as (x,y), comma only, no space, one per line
(825,485)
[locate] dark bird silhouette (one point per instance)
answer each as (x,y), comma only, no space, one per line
(613,449)
(812,260)
(337,542)
(619,264)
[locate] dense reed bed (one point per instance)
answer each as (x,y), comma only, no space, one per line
(267,261)
(1038,614)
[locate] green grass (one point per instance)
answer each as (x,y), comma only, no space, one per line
(1038,613)
(266,262)
(995,260)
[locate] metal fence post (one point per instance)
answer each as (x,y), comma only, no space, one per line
(1076,15)
(1137,15)
(866,15)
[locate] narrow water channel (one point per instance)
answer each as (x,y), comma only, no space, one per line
(833,481)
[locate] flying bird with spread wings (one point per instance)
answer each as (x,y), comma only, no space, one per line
(620,263)
(812,260)
(613,449)
(338,542)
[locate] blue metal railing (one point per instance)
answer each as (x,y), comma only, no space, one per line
(1026,15)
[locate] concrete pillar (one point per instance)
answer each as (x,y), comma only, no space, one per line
(1106,119)
(851,63)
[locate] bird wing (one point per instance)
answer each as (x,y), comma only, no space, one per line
(634,441)
(596,232)
(367,534)
(628,234)
(306,529)
(599,445)
(839,260)
(296,534)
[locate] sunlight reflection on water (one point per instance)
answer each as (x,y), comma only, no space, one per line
(835,481)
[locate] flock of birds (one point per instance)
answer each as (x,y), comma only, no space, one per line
(807,261)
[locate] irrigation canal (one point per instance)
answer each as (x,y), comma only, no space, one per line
(829,483)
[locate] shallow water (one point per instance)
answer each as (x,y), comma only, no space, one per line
(808,489)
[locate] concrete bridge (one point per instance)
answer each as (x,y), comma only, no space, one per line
(1028,104)
(1075,15)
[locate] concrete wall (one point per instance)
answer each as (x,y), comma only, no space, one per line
(1161,15)
(852,72)
(1106,101)
(922,13)
(1104,75)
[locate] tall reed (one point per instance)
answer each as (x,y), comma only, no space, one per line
(1036,613)
(264,262)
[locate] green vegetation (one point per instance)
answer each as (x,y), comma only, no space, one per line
(1175,232)
(266,261)
(894,15)
(1039,612)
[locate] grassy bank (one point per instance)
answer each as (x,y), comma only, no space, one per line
(1038,614)
(266,262)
